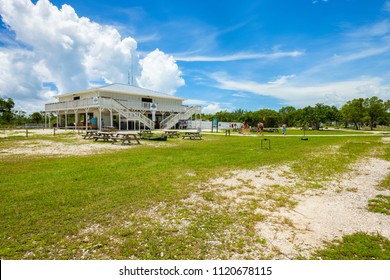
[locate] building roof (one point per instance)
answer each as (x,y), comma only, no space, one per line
(125,89)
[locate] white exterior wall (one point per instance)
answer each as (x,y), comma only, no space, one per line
(82,96)
(135,101)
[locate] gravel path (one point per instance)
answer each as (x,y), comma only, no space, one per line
(339,210)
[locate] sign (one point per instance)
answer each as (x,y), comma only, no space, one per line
(214,124)
(95,100)
(153,106)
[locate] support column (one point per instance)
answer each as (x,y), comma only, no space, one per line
(86,120)
(100,119)
(76,117)
(66,119)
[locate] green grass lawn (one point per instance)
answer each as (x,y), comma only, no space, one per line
(357,246)
(46,202)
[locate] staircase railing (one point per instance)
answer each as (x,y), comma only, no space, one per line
(146,121)
(125,112)
(164,122)
(174,119)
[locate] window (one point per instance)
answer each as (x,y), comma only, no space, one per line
(147,100)
(76,98)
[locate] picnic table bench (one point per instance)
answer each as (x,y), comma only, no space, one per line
(144,133)
(271,130)
(192,135)
(108,129)
(172,133)
(103,135)
(124,136)
(89,134)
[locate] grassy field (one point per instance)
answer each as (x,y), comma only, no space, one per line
(94,206)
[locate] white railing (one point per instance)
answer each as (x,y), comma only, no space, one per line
(174,119)
(95,102)
(126,113)
(71,105)
(131,116)
(164,122)
(146,121)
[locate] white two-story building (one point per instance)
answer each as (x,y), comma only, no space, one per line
(122,106)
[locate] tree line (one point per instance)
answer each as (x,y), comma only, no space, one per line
(357,112)
(9,116)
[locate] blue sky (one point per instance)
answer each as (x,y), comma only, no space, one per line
(223,55)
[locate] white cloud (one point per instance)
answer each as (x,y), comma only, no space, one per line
(300,95)
(70,51)
(18,75)
(386,6)
(316,1)
(196,102)
(281,80)
(212,109)
(209,107)
(240,94)
(238,56)
(372,30)
(160,72)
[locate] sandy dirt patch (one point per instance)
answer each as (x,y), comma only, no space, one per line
(292,229)
(339,209)
(73,144)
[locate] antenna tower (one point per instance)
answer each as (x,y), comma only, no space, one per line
(130,76)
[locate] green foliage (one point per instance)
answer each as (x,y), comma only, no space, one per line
(6,114)
(358,246)
(357,111)
(372,110)
(288,116)
(385,184)
(375,109)
(37,117)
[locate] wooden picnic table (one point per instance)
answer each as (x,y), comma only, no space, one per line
(103,135)
(144,133)
(172,133)
(108,129)
(124,136)
(192,135)
(271,130)
(79,127)
(89,134)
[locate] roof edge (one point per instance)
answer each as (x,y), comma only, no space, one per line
(148,92)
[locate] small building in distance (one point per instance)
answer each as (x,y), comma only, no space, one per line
(122,106)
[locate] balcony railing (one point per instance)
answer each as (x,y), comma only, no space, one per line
(99,101)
